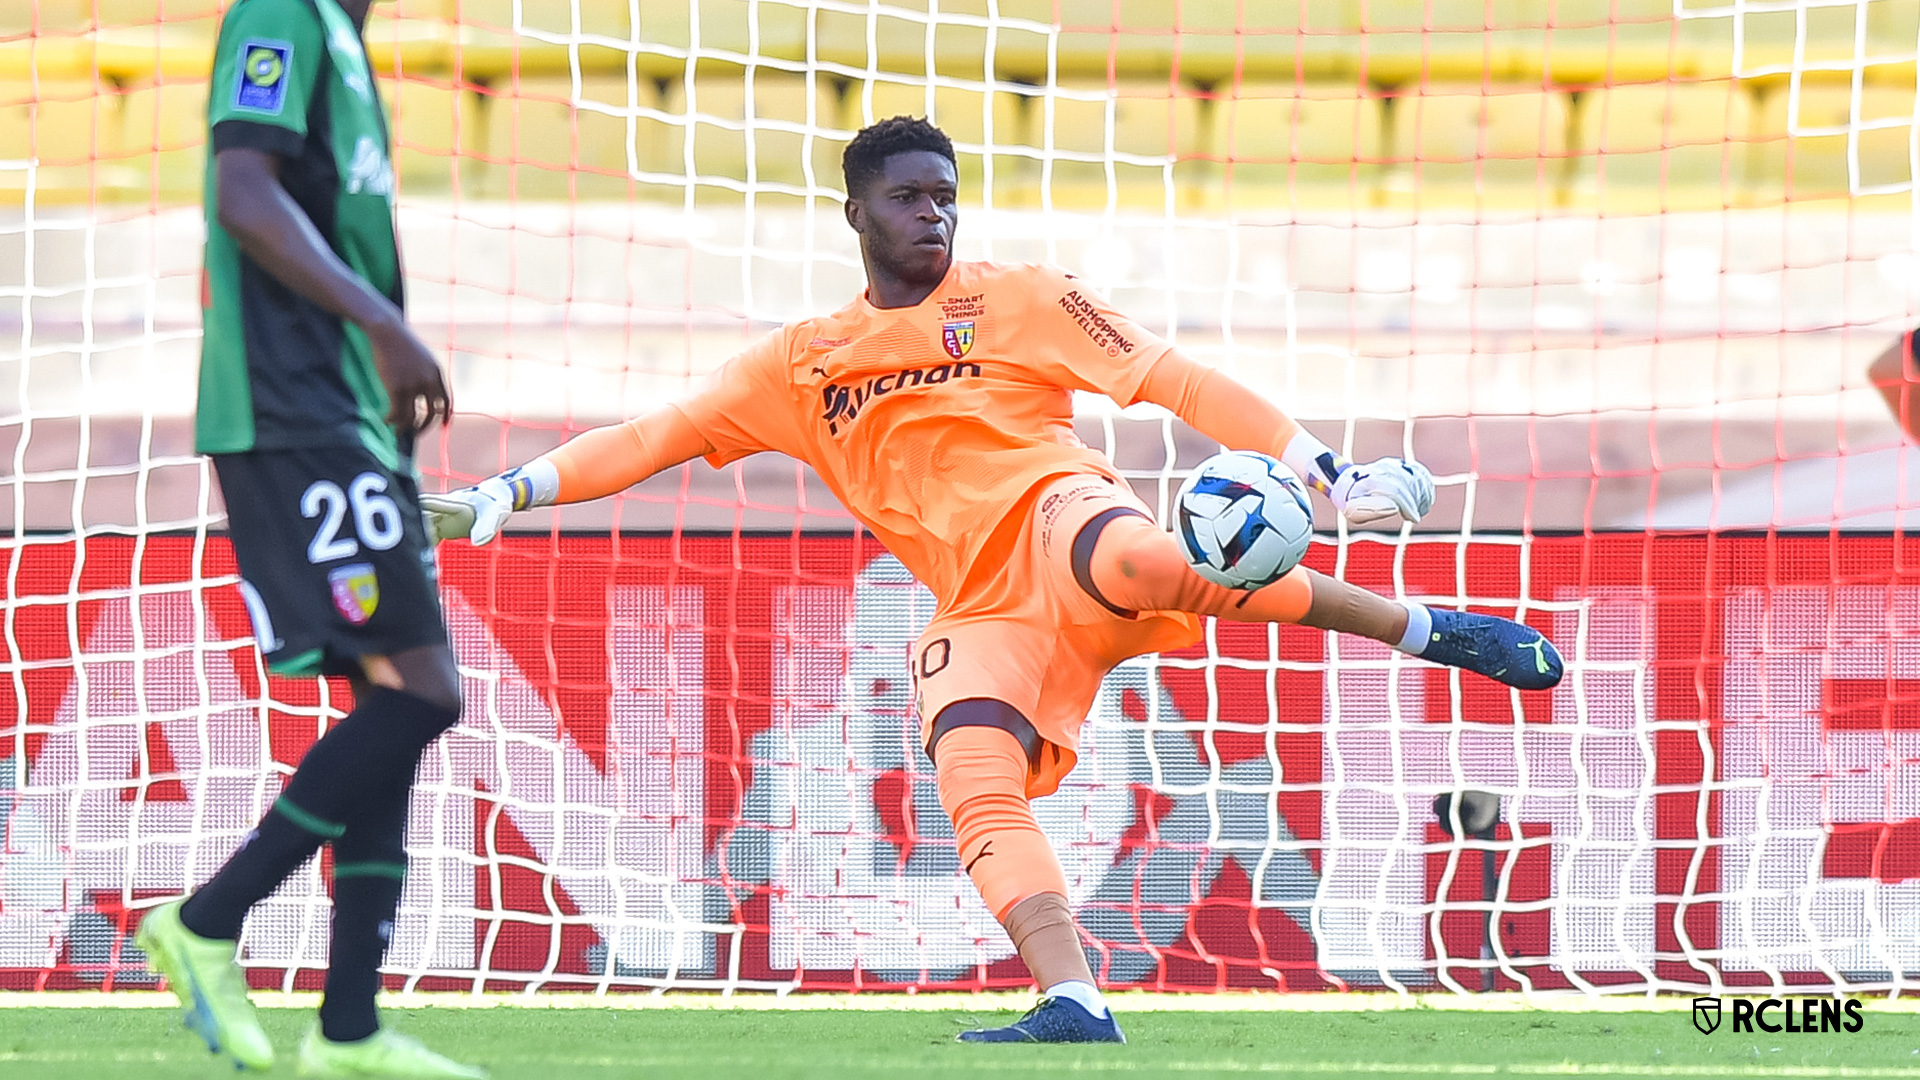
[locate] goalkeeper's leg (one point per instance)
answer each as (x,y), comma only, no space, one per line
(1135,566)
(984,758)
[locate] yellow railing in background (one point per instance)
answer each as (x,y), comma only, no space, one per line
(1609,105)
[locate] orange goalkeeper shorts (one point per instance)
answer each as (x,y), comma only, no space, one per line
(1027,633)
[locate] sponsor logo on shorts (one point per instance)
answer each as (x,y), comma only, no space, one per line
(262,85)
(957,337)
(1050,509)
(842,404)
(1056,504)
(1102,332)
(356,592)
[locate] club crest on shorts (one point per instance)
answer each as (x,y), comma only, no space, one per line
(356,592)
(957,337)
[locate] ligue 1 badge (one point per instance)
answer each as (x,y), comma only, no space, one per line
(262,83)
(356,592)
(957,337)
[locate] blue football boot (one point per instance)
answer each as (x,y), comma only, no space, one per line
(1053,1020)
(1500,649)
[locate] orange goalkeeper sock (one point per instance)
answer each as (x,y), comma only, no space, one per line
(982,775)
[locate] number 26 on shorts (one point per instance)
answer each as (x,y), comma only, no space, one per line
(376,517)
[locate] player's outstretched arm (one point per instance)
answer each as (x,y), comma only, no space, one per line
(1225,410)
(1896,374)
(592,465)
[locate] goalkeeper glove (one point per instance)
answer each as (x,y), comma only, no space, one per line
(1376,491)
(474,513)
(477,513)
(1364,494)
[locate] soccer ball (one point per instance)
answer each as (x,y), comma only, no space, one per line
(1243,519)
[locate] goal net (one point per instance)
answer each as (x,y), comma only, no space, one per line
(1615,269)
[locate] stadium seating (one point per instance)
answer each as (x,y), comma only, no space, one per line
(1682,139)
(61,123)
(537,143)
(162,138)
(437,134)
(1156,125)
(68,127)
(62,17)
(1468,135)
(1508,101)
(545,139)
(601,18)
(1270,136)
(1803,153)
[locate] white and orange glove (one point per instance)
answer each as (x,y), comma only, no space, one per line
(477,513)
(591,465)
(1365,494)
(1378,490)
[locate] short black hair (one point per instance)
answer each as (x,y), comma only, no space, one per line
(866,156)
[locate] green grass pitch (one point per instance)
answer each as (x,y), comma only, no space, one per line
(772,1044)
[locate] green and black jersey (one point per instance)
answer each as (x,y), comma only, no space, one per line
(290,77)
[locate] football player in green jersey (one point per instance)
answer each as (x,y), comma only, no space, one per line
(312,388)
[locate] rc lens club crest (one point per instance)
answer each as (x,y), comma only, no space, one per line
(957,337)
(356,592)
(1706,1014)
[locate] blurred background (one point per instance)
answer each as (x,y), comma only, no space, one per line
(1551,248)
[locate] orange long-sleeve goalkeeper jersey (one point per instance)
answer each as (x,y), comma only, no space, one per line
(931,423)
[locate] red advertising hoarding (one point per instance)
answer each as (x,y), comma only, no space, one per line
(691,761)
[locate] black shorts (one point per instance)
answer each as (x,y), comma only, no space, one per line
(333,554)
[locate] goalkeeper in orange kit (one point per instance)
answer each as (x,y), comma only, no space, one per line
(938,407)
(1895,373)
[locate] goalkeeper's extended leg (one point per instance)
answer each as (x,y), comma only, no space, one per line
(1135,566)
(982,764)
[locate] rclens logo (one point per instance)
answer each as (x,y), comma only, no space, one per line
(1797,1015)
